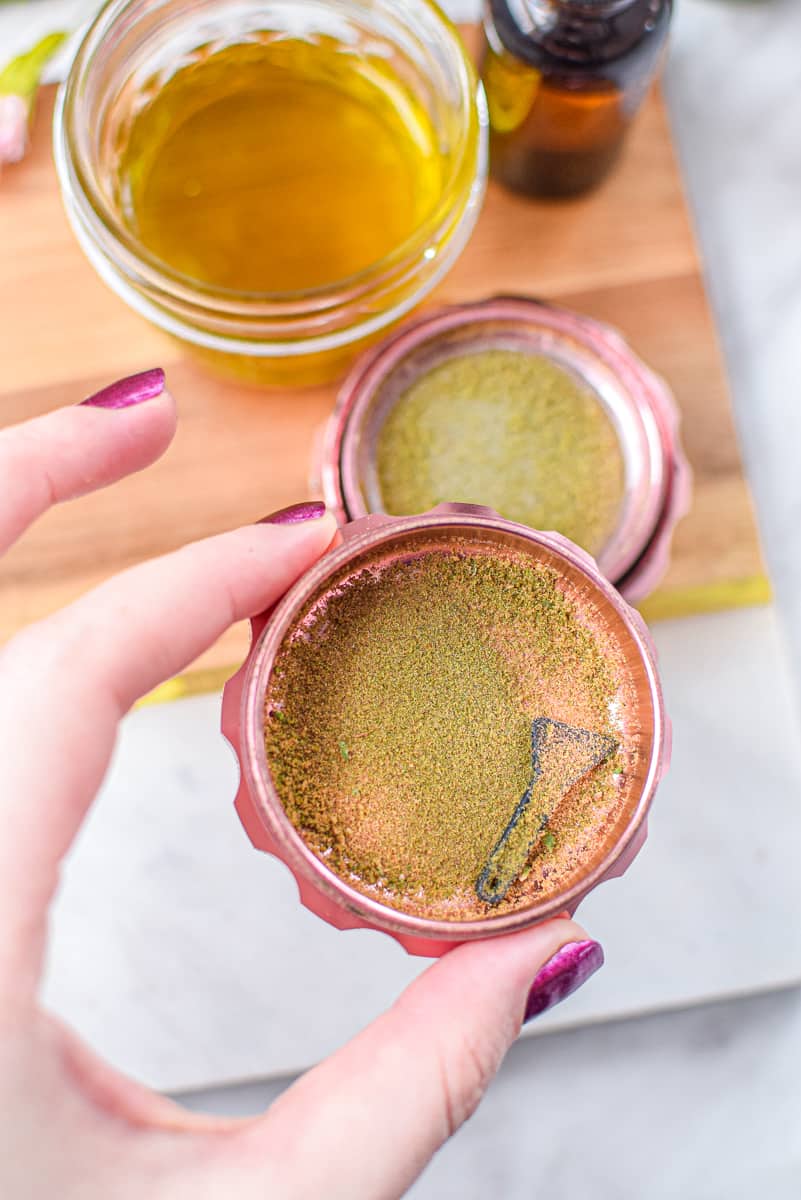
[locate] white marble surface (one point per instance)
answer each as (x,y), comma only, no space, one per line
(701,1105)
(168,958)
(705,1104)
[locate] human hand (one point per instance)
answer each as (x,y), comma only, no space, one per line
(362,1125)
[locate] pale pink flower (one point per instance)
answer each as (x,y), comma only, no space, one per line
(13,129)
(19,83)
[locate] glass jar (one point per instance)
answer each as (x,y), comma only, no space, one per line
(134,47)
(564,80)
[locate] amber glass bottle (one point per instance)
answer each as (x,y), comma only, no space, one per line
(564,80)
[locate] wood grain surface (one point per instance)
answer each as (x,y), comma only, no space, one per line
(625,255)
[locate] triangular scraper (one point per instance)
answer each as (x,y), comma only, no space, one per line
(561,755)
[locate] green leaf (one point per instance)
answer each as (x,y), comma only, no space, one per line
(23,74)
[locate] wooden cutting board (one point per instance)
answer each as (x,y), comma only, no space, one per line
(625,255)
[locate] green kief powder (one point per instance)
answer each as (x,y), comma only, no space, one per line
(398,726)
(510,430)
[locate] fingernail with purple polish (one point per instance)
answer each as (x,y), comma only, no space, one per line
(125,393)
(310,510)
(562,975)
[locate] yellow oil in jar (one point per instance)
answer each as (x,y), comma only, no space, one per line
(279,166)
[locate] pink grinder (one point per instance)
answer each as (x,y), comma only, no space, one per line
(371,542)
(638,403)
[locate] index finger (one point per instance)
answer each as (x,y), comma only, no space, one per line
(72,451)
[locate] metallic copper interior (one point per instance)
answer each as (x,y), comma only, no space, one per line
(379,539)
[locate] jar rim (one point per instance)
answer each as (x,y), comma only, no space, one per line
(144,269)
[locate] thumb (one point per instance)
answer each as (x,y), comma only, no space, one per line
(367,1121)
